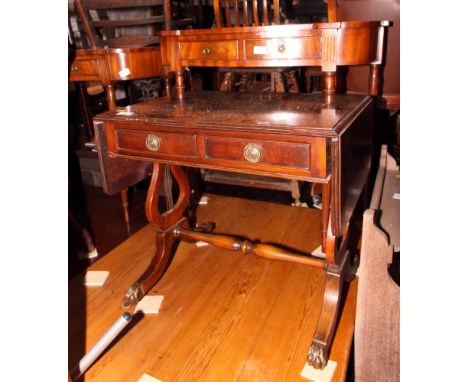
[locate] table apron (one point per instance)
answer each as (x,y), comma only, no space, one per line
(292,157)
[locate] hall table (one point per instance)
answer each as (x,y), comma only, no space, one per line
(317,137)
(110,66)
(113,65)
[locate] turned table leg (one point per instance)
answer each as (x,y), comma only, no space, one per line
(277,83)
(329,85)
(375,80)
(124,200)
(111,104)
(166,223)
(293,85)
(244,82)
(167,82)
(296,192)
(180,84)
(325,212)
(227,85)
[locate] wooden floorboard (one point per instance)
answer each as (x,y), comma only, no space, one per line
(226,316)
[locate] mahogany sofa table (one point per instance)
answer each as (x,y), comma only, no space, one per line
(322,137)
(307,137)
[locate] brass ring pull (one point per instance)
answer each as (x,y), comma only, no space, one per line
(253,152)
(206,50)
(281,47)
(153,142)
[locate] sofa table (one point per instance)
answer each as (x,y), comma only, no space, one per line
(292,136)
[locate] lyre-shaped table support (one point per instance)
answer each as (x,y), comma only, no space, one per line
(165,222)
(172,226)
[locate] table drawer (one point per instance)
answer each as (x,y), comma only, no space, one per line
(289,155)
(208,50)
(84,69)
(287,48)
(155,144)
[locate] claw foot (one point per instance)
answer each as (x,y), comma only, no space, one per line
(206,227)
(134,294)
(315,357)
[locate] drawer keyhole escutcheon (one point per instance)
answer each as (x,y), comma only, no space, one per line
(153,142)
(281,47)
(253,152)
(206,50)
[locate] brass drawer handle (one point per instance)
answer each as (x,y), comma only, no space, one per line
(75,68)
(206,50)
(253,152)
(153,142)
(281,47)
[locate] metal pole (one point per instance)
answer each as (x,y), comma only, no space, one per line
(101,345)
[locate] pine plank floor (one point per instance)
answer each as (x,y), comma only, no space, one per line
(226,316)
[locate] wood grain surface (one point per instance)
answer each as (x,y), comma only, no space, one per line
(226,316)
(298,114)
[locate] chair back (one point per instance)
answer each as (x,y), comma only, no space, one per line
(238,13)
(123,23)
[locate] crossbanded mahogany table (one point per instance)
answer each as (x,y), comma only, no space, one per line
(320,137)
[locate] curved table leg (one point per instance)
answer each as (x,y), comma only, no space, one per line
(320,347)
(166,223)
(339,268)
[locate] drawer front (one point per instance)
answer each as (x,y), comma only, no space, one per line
(286,48)
(135,63)
(155,144)
(84,69)
(208,50)
(248,151)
